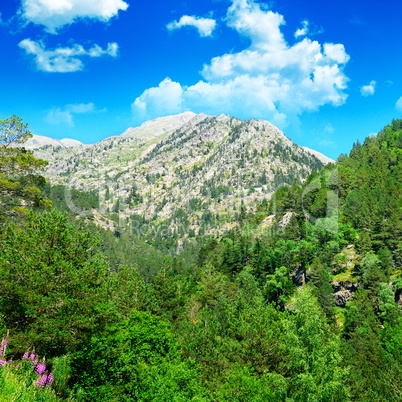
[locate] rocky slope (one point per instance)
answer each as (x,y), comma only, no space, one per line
(182,171)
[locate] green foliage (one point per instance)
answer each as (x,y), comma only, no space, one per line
(81,200)
(62,373)
(18,385)
(322,289)
(137,359)
(376,373)
(242,384)
(278,287)
(317,354)
(128,291)
(18,169)
(252,318)
(52,282)
(26,380)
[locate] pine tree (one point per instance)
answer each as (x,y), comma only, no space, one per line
(19,180)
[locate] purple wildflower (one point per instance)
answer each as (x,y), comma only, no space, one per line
(35,362)
(40,368)
(16,367)
(3,363)
(42,382)
(50,379)
(32,356)
(3,347)
(25,356)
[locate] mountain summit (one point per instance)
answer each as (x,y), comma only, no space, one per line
(185,168)
(161,125)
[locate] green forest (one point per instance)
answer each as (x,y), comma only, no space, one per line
(307,311)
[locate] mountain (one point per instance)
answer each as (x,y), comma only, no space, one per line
(41,142)
(323,158)
(159,126)
(185,171)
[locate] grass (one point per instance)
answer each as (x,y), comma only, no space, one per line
(348,276)
(16,387)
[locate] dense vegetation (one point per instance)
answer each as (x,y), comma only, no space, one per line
(298,302)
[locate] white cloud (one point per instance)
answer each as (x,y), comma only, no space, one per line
(336,53)
(204,26)
(368,90)
(398,104)
(53,14)
(270,79)
(307,30)
(64,59)
(163,100)
(4,23)
(65,115)
(260,26)
(97,51)
(302,31)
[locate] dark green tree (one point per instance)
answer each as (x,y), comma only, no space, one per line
(19,180)
(322,288)
(136,360)
(51,283)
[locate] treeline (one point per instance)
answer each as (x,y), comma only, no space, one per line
(252,318)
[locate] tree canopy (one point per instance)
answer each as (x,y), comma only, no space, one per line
(19,179)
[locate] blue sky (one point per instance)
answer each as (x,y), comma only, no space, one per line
(325,72)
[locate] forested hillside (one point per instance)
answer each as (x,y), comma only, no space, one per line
(299,302)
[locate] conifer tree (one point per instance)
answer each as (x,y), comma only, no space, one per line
(18,169)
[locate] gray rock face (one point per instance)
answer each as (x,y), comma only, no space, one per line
(344,292)
(324,159)
(299,277)
(159,126)
(398,299)
(285,220)
(342,297)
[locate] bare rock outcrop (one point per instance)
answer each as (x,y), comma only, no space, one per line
(344,291)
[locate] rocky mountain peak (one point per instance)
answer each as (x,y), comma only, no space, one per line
(40,142)
(186,169)
(161,125)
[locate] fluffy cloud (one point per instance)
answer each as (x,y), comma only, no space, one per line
(398,104)
(53,14)
(302,31)
(270,79)
(65,115)
(64,59)
(306,30)
(368,90)
(163,100)
(204,26)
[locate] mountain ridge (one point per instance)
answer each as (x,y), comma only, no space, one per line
(147,130)
(188,169)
